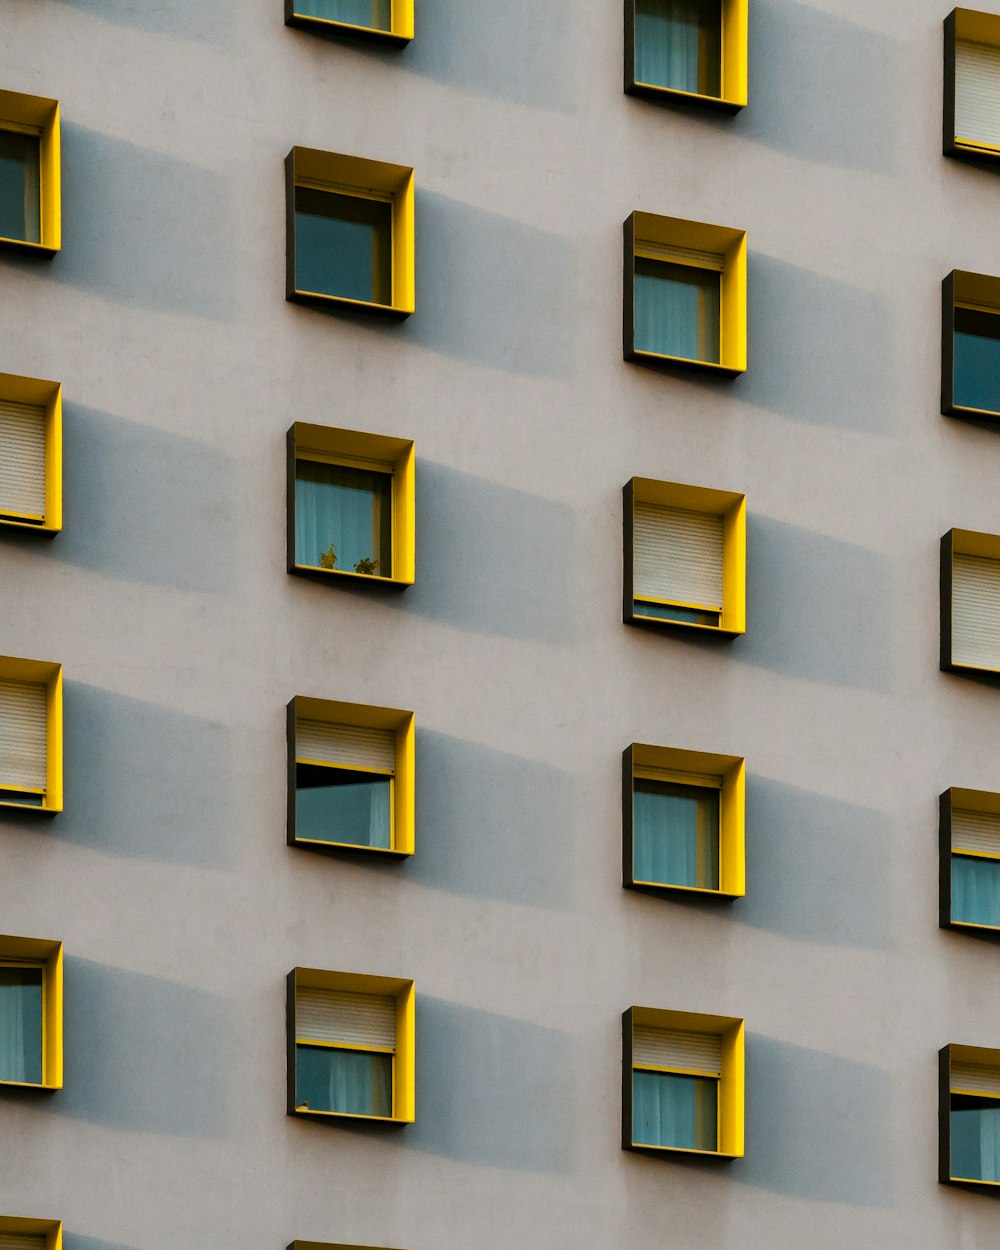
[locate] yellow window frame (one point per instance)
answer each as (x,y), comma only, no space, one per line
(51,1230)
(36,115)
(965,26)
(966,543)
(50,675)
(22,390)
(978,1055)
(399,34)
(20,952)
(734,68)
(961,799)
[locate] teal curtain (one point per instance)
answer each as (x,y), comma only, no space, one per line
(375,14)
(673,1110)
(348,509)
(21,1025)
(975,890)
(675,834)
(677,310)
(977,359)
(343,245)
(975,1139)
(20,187)
(338,805)
(678,44)
(352,1082)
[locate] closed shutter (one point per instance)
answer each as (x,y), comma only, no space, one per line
(681,255)
(677,555)
(674,1048)
(975,611)
(23,1241)
(345,1018)
(345,744)
(977,93)
(975,831)
(980,1078)
(22,458)
(22,735)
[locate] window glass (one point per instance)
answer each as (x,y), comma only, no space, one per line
(343,518)
(977,359)
(678,44)
(352,1082)
(342,805)
(20,197)
(667,612)
(677,310)
(21,1025)
(975,890)
(343,245)
(675,834)
(673,1110)
(975,1138)
(374,14)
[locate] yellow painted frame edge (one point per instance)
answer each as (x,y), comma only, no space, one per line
(13,668)
(20,389)
(52,1230)
(735,64)
(48,955)
(45,114)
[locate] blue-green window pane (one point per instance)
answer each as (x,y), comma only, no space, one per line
(678,44)
(21,1025)
(373,14)
(673,1110)
(977,359)
(675,834)
(667,612)
(343,518)
(343,245)
(677,310)
(342,805)
(975,890)
(20,187)
(352,1082)
(975,1139)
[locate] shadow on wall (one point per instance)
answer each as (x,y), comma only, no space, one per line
(817,1126)
(142,1053)
(492,1090)
(816,607)
(492,559)
(72,1241)
(817,868)
(203,23)
(492,825)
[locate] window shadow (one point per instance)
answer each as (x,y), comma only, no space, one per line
(492,825)
(73,1241)
(817,1126)
(202,23)
(818,868)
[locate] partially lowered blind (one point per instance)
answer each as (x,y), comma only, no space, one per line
(674,1048)
(980,1078)
(681,255)
(345,1018)
(22,459)
(22,1241)
(975,831)
(22,735)
(345,744)
(975,611)
(677,555)
(977,92)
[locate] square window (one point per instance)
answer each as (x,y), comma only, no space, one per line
(970,860)
(29,173)
(969,1116)
(383,21)
(351,506)
(972,85)
(350,782)
(970,347)
(350,233)
(683,821)
(970,603)
(694,51)
(21,1234)
(31,735)
(350,1046)
(30,454)
(685,295)
(683,1083)
(684,557)
(31,1040)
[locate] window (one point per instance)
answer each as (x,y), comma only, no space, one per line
(683,821)
(972,85)
(685,295)
(350,777)
(970,860)
(682,1082)
(31,998)
(19,1234)
(350,1046)
(689,50)
(31,765)
(970,602)
(385,21)
(30,454)
(970,347)
(351,504)
(350,233)
(29,173)
(684,557)
(969,1116)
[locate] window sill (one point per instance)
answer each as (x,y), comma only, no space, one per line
(654,360)
(40,809)
(651,91)
(349,848)
(683,1150)
(973,414)
(330,29)
(388,1121)
(36,527)
(39,1085)
(660,887)
(658,623)
(969,150)
(23,245)
(316,299)
(321,574)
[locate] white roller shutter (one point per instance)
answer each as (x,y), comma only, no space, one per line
(980,1078)
(975,611)
(975,831)
(22,458)
(674,1048)
(345,1018)
(977,93)
(677,555)
(22,1241)
(681,255)
(345,744)
(22,735)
